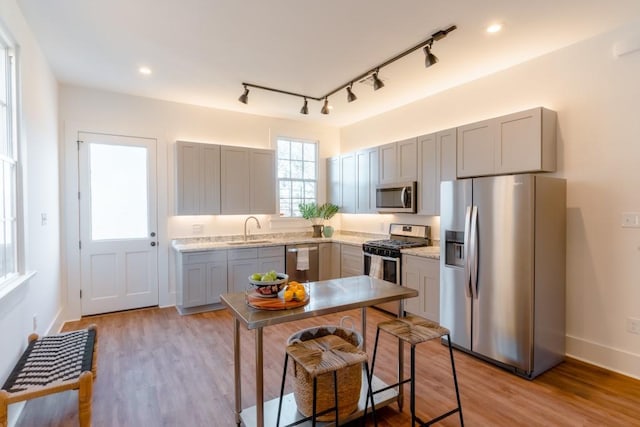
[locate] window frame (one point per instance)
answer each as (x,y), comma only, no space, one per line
(315,179)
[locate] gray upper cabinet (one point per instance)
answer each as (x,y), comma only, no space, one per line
(333,181)
(367,179)
(398,161)
(437,159)
(198,178)
(515,143)
(247,181)
(348,182)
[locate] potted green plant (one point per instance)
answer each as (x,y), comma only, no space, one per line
(311,211)
(327,211)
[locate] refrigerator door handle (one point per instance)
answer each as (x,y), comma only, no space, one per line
(473,262)
(467,251)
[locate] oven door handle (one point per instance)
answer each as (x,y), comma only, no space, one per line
(386,258)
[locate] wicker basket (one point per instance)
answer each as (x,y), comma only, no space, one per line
(349,378)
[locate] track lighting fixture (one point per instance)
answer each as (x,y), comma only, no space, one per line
(244,98)
(377,83)
(325,107)
(430,59)
(350,95)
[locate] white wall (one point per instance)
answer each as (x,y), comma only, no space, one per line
(42,295)
(92,110)
(597,97)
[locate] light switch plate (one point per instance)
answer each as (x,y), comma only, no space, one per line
(631,219)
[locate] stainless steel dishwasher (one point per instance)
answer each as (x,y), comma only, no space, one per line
(297,269)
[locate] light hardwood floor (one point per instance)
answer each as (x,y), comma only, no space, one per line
(157,368)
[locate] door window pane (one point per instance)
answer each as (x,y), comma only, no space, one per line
(119,206)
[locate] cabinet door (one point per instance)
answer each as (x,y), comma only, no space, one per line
(348,184)
(519,148)
(352,263)
(216,281)
(447,153)
(411,279)
(367,179)
(428,179)
(210,173)
(333,181)
(407,160)
(238,272)
(235,196)
(187,178)
(194,285)
(476,149)
(271,264)
(387,163)
(430,288)
(262,169)
(324,261)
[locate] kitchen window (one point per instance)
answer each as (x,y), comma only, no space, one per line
(8,164)
(297,175)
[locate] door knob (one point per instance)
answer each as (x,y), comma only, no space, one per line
(153,234)
(153,243)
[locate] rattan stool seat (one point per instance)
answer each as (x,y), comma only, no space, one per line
(325,354)
(413,329)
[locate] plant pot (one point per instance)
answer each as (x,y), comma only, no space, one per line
(317,230)
(327,231)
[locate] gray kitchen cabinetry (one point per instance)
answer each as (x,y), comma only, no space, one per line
(197,178)
(201,278)
(515,143)
(242,263)
(348,182)
(329,261)
(366,180)
(334,183)
(351,260)
(398,161)
(437,159)
(423,275)
(247,181)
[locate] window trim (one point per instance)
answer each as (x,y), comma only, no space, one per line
(316,178)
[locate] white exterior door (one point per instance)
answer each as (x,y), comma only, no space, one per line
(118,221)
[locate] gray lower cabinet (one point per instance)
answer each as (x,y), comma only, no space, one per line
(202,277)
(329,261)
(242,263)
(352,261)
(423,275)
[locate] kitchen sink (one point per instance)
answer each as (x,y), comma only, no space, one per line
(248,242)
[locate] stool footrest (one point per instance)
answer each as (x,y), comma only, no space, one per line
(389,387)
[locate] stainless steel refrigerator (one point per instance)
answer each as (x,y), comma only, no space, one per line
(502,269)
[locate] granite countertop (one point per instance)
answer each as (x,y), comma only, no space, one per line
(266,240)
(198,244)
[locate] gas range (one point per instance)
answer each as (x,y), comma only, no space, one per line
(402,236)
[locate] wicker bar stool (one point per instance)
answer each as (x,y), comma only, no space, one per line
(322,356)
(416,330)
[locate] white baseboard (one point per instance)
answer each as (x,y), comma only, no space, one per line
(613,359)
(56,324)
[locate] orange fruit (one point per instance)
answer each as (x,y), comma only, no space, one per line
(300,294)
(288,295)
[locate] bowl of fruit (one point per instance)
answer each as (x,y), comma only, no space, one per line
(268,284)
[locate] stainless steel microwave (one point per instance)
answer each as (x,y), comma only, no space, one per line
(396,198)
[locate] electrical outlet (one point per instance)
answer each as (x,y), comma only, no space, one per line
(197,229)
(35,322)
(633,325)
(630,219)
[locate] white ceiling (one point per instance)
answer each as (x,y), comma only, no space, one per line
(201,51)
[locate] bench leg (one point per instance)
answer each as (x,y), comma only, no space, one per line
(85,395)
(4,396)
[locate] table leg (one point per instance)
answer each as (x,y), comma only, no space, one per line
(259,380)
(364,328)
(236,369)
(400,361)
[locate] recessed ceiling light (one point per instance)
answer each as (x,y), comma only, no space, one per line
(145,71)
(494,28)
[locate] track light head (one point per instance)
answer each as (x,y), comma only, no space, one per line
(244,98)
(429,58)
(377,83)
(325,107)
(305,107)
(350,95)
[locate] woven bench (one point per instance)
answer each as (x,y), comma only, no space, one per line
(53,364)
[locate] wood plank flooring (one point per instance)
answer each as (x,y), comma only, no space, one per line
(157,368)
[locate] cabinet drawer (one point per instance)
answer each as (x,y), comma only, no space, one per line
(271,251)
(204,257)
(247,253)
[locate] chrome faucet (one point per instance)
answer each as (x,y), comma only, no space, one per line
(245,225)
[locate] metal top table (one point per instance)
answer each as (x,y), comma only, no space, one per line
(326,297)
